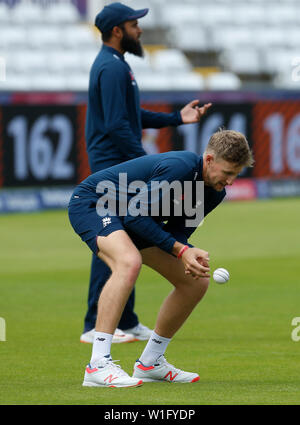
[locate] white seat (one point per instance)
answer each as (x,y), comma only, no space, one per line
(153,81)
(292,37)
(281,13)
(137,64)
(46,37)
(242,61)
(15,82)
(12,37)
(5,14)
(27,13)
(180,13)
(280,60)
(248,14)
(77,82)
(62,13)
(27,61)
(190,38)
(171,60)
(269,36)
(63,61)
(87,58)
(223,81)
(48,82)
(78,37)
(186,81)
(165,81)
(212,15)
(232,37)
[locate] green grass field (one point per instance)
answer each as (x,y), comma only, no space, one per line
(238,338)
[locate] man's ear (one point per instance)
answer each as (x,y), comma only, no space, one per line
(117,32)
(209,158)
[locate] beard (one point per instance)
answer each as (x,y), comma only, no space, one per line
(130,45)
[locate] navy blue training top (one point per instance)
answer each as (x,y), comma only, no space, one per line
(114,119)
(170,166)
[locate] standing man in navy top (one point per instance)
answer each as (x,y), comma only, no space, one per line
(114,132)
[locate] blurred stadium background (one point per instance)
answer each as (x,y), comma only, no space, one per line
(242,55)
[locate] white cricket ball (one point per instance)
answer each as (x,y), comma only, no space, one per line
(221,275)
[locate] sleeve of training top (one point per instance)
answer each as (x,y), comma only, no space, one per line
(160,119)
(113,96)
(144,225)
(175,227)
(178,233)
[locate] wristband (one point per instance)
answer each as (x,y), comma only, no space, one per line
(182,251)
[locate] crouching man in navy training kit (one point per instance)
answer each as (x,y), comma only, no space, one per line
(114,124)
(128,216)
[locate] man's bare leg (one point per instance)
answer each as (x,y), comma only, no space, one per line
(176,308)
(124,260)
(186,294)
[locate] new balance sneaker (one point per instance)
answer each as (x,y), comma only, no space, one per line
(88,337)
(108,374)
(119,337)
(162,371)
(140,332)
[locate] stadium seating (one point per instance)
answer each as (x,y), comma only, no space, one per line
(223,81)
(247,40)
(188,38)
(12,37)
(26,13)
(170,60)
(242,61)
(43,37)
(62,13)
(139,65)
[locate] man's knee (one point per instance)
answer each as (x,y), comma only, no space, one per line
(204,283)
(197,287)
(201,287)
(129,265)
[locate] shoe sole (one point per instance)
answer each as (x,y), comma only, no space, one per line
(92,384)
(137,338)
(122,341)
(171,382)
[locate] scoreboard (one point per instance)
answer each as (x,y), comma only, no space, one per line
(43,145)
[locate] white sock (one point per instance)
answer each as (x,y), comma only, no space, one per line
(155,347)
(101,346)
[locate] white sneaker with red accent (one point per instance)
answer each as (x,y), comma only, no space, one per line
(140,332)
(108,374)
(162,371)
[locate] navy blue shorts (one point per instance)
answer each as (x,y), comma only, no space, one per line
(89,225)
